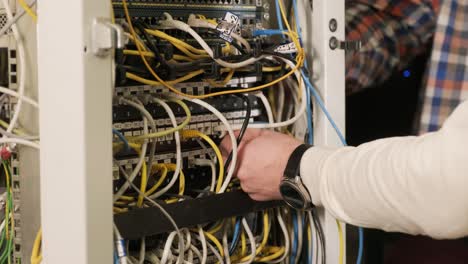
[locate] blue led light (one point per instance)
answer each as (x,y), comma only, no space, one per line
(406,73)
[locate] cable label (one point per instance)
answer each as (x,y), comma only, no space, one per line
(287,48)
(227,25)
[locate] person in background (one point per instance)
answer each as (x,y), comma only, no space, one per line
(415,185)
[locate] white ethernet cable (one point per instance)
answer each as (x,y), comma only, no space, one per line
(284,229)
(226,246)
(211,164)
(288,122)
(137,169)
(26,99)
(214,250)
(267,106)
(22,61)
(152,258)
(197,252)
(189,256)
(141,258)
(231,135)
(281,98)
(167,253)
(167,247)
(169,22)
(140,107)
(188,243)
(253,246)
(202,239)
(19,141)
(178,150)
(193,21)
(20,94)
(189,239)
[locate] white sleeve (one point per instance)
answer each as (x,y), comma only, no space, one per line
(416,185)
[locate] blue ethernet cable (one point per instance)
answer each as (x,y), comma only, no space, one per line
(235,236)
(343,141)
(121,137)
(319,101)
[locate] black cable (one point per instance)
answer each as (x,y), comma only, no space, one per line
(133,69)
(164,68)
(316,241)
(233,43)
(183,67)
(235,58)
(319,228)
(245,124)
(280,55)
(243,128)
(157,55)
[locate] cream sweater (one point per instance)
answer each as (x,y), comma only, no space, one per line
(416,185)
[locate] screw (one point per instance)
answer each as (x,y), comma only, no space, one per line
(266,6)
(266,16)
(333,25)
(333,43)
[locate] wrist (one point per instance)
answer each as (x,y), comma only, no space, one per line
(292,189)
(311,170)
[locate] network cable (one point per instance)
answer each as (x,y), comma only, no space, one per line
(22,70)
(177,140)
(196,133)
(245,124)
(321,104)
(132,31)
(166,214)
(17,16)
(270,254)
(231,136)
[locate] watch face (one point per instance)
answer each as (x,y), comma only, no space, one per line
(292,195)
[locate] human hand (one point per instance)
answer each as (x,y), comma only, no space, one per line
(262,158)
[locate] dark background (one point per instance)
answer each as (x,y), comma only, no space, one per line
(383,111)
(390,110)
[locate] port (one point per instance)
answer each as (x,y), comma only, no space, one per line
(4,73)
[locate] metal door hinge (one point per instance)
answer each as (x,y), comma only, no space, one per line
(106,36)
(349,45)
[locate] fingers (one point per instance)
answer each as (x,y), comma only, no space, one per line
(249,135)
(252,134)
(245,187)
(259,197)
(254,195)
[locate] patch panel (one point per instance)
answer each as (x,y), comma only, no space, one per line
(251,14)
(151,11)
(16,188)
(8,62)
(192,87)
(128,120)
(196,177)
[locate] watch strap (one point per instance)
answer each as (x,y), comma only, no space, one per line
(294,163)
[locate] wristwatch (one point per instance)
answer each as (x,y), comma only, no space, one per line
(293,190)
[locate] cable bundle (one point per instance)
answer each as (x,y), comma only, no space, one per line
(226,241)
(271,236)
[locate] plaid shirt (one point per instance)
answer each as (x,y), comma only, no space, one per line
(393,32)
